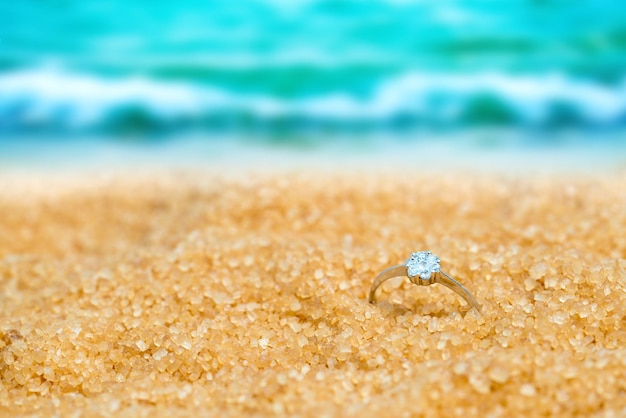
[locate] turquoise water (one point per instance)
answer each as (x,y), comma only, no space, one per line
(305,66)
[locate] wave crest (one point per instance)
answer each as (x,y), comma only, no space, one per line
(44,99)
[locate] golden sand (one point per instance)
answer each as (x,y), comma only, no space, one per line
(195,296)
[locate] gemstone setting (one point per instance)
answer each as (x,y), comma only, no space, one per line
(423,264)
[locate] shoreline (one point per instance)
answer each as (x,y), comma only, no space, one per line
(484,152)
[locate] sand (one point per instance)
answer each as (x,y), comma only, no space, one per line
(195,294)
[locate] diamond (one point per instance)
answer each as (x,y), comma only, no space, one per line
(423,264)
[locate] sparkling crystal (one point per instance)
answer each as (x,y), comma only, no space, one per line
(423,264)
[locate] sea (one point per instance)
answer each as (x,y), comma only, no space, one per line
(342,76)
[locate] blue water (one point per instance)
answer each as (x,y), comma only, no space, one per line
(310,66)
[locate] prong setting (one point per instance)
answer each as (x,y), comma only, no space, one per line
(422,264)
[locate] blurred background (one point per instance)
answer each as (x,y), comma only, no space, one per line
(479,82)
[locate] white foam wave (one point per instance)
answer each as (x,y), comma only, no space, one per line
(45,97)
(532,98)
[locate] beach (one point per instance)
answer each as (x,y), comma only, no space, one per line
(197,293)
(197,197)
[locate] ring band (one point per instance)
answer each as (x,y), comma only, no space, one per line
(422,268)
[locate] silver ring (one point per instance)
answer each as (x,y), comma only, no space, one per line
(423,269)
